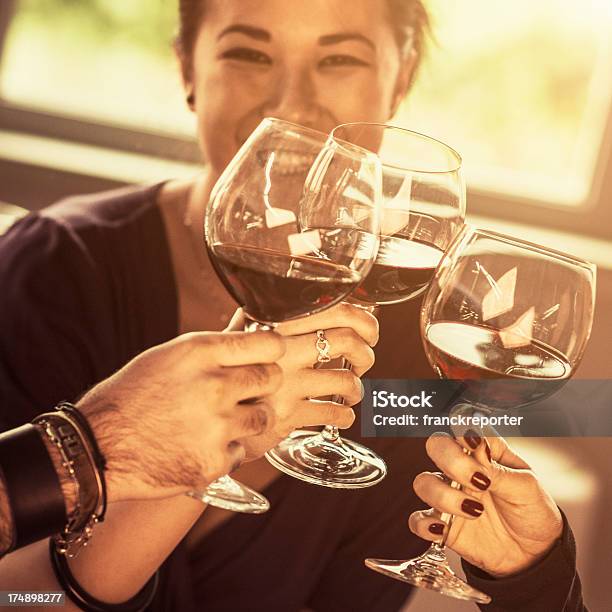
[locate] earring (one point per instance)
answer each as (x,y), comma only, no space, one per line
(191,99)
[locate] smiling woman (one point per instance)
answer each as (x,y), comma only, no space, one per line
(98,279)
(132,264)
(270,63)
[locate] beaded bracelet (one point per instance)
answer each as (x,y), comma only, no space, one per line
(84,465)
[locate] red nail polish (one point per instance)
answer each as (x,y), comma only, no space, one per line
(472,439)
(472,507)
(437,528)
(488,451)
(480,481)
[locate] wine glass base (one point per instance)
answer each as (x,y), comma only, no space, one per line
(425,573)
(230,494)
(310,457)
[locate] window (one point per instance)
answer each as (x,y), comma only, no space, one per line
(522,89)
(98,59)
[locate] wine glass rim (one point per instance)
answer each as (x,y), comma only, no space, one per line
(298,126)
(578,261)
(354,150)
(458,159)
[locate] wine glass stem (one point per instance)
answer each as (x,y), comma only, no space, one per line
(446,517)
(331,433)
(250,325)
(437,552)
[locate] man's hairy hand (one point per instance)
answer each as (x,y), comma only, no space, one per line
(170,421)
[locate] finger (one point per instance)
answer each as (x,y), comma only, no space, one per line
(491,448)
(242,348)
(343,342)
(451,458)
(252,381)
(251,420)
(438,494)
(341,315)
(315,413)
(236,322)
(321,383)
(473,440)
(427,524)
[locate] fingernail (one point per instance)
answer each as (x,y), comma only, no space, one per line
(488,451)
(472,438)
(437,528)
(480,481)
(472,507)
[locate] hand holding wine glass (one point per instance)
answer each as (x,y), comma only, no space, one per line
(292,228)
(511,320)
(352,332)
(505,521)
(133,411)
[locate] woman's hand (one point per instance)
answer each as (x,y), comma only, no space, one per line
(504,520)
(351,332)
(172,420)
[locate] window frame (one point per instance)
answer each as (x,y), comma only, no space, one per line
(592,218)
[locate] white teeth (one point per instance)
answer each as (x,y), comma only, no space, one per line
(290,162)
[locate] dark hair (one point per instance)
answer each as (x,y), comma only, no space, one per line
(408,18)
(191,13)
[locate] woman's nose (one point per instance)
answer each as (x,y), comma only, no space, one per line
(294,99)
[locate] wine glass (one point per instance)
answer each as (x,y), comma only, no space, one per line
(511,320)
(274,267)
(423,209)
(423,200)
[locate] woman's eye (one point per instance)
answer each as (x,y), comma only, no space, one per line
(341,60)
(245,54)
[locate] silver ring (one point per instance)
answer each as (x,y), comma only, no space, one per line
(322,345)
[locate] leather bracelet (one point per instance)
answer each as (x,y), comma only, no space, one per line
(140,602)
(33,486)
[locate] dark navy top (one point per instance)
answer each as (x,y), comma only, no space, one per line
(87,284)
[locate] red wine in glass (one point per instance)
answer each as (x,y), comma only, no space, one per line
(274,286)
(462,351)
(402,270)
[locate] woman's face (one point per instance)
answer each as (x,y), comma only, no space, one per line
(318,63)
